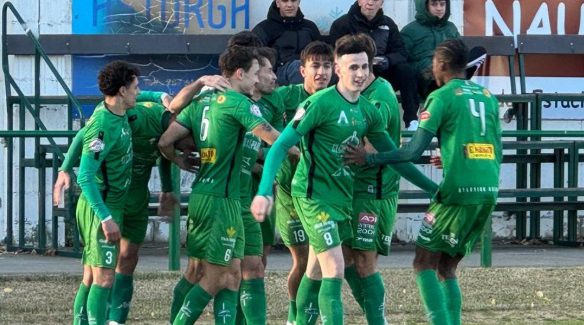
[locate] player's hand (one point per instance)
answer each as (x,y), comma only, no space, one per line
(111,231)
(436,161)
(294,155)
(355,155)
(166,100)
(63,182)
(216,82)
(167,204)
(261,206)
(188,162)
(369,148)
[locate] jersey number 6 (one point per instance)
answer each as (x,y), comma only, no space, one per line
(204,124)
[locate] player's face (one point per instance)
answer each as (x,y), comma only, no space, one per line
(266,78)
(288,8)
(369,8)
(249,78)
(129,93)
(317,72)
(353,70)
(437,8)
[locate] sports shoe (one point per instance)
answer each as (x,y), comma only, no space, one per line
(413,125)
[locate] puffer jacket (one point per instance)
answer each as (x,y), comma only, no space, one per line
(286,35)
(381,28)
(425,33)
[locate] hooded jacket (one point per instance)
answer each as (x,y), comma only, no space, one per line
(425,33)
(381,28)
(287,35)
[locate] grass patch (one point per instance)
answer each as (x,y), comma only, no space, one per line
(491,296)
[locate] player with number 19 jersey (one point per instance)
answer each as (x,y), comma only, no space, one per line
(218,122)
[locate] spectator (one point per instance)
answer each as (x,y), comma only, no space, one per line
(366,16)
(287,32)
(421,37)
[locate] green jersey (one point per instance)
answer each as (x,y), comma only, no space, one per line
(273,110)
(146,122)
(380,182)
(293,95)
(328,123)
(106,160)
(465,118)
(218,121)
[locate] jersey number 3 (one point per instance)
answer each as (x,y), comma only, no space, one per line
(480,113)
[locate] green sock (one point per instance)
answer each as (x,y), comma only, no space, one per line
(354,282)
(120,298)
(239,316)
(194,303)
(374,301)
(97,304)
(253,301)
(330,301)
(179,293)
(225,306)
(433,297)
(454,300)
(80,305)
(291,312)
(307,301)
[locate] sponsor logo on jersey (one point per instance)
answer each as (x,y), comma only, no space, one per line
(221,99)
(480,151)
(458,92)
(343,118)
(425,115)
(96,145)
(323,217)
(487,93)
(367,218)
(208,155)
(255,110)
(299,114)
(147,105)
(231,232)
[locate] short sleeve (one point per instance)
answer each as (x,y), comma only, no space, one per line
(432,115)
(185,117)
(249,115)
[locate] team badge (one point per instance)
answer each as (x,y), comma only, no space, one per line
(231,232)
(425,115)
(147,105)
(221,99)
(486,93)
(458,92)
(96,145)
(299,114)
(255,110)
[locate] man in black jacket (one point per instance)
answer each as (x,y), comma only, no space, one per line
(366,16)
(288,32)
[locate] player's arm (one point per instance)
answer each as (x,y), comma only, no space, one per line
(175,132)
(262,203)
(167,200)
(159,97)
(96,146)
(71,158)
(185,95)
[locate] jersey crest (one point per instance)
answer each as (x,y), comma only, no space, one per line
(255,110)
(96,145)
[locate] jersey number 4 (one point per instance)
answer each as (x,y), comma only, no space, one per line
(204,124)
(480,113)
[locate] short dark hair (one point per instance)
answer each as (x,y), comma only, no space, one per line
(116,75)
(316,50)
(245,38)
(236,57)
(268,53)
(454,53)
(353,44)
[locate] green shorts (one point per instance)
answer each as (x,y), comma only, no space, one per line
(269,229)
(214,229)
(136,214)
(372,224)
(252,230)
(289,225)
(96,251)
(327,225)
(453,229)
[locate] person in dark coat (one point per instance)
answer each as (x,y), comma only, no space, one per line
(366,16)
(288,32)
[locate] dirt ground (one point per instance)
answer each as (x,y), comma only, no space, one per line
(491,296)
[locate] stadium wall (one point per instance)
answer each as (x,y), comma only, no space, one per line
(56,17)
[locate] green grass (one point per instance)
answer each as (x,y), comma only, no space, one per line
(491,296)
